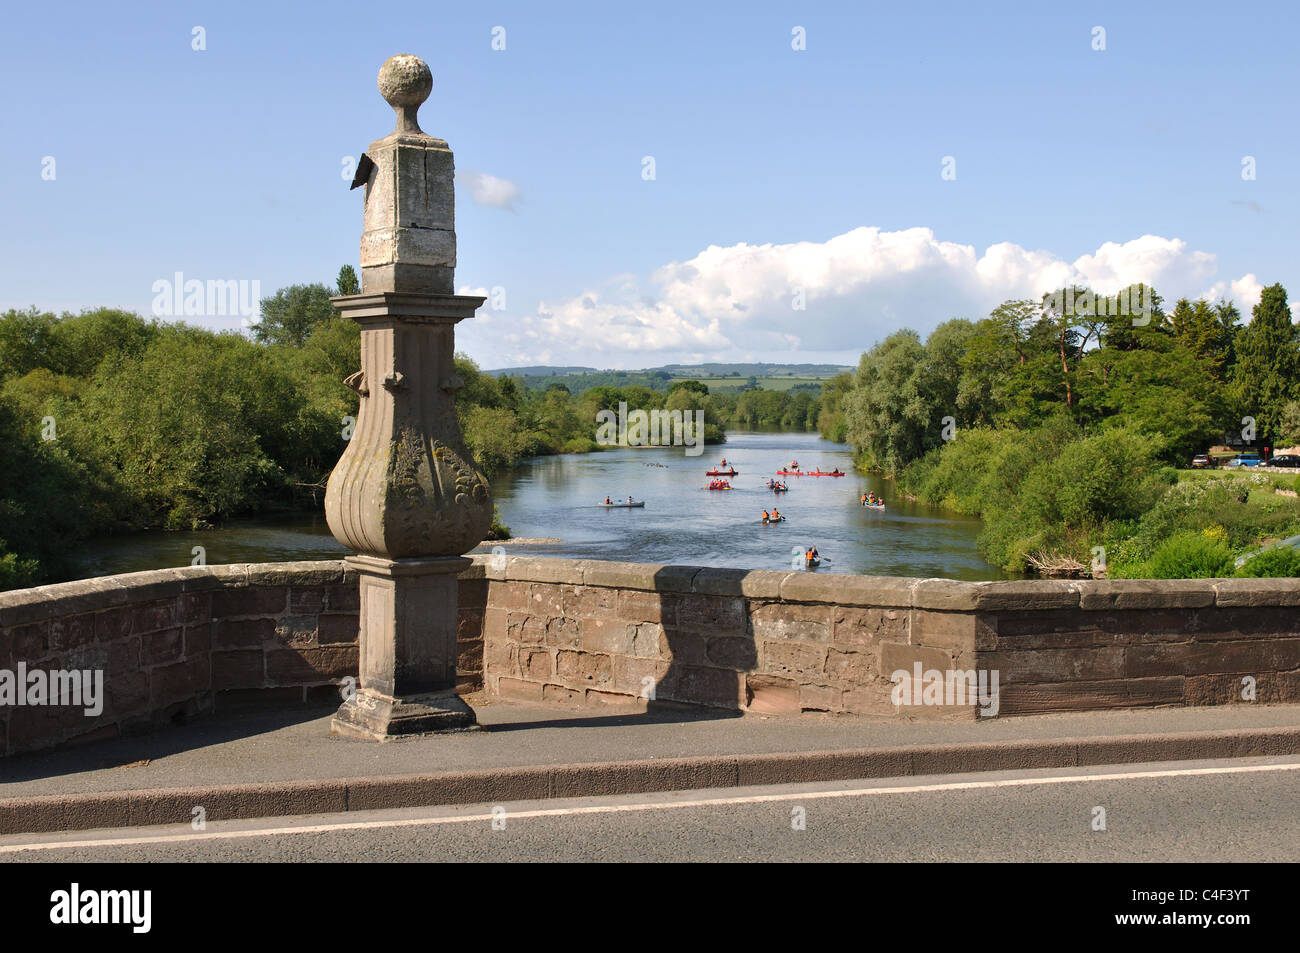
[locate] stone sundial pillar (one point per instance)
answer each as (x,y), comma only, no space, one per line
(405,496)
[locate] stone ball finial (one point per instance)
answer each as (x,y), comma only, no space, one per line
(405,83)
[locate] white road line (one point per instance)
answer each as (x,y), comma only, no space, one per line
(652,806)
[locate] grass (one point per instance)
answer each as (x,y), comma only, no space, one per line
(766,383)
(1284,479)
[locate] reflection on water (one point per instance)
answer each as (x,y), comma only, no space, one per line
(681,523)
(684,523)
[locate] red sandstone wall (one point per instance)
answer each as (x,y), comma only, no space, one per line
(587,633)
(194,640)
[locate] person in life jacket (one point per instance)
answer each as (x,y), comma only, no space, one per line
(765,516)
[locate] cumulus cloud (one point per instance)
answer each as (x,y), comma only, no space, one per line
(492,191)
(854,289)
(1244,292)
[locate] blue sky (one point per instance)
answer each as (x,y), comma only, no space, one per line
(776,171)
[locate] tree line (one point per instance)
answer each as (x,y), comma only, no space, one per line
(1064,431)
(114,423)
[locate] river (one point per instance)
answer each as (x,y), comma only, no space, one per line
(557,498)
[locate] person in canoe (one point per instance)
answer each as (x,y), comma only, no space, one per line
(794,465)
(608,501)
(765,516)
(776,517)
(865,497)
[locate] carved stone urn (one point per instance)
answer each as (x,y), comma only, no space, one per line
(405,496)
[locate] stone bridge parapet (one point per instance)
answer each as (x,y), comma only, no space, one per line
(181,642)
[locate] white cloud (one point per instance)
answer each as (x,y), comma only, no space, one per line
(857,287)
(492,191)
(1244,292)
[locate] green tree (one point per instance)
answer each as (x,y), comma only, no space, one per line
(1267,371)
(891,419)
(1206,331)
(1158,388)
(181,425)
(26,341)
(291,314)
(698,386)
(830,422)
(347,283)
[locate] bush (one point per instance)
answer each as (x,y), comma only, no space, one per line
(1273,564)
(1190,556)
(17,572)
(498,530)
(580,445)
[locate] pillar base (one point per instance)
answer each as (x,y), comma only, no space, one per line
(376,717)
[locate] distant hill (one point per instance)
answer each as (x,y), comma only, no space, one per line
(754,370)
(540,370)
(700,371)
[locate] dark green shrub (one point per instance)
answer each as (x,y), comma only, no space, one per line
(1273,563)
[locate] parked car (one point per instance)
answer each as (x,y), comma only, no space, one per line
(1245,460)
(1201,461)
(1284,460)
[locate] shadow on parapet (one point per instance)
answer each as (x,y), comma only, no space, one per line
(706,645)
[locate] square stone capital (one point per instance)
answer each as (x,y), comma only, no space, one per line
(407,306)
(399,568)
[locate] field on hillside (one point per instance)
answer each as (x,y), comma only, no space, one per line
(780,383)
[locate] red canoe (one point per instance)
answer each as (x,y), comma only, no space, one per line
(807,473)
(731,472)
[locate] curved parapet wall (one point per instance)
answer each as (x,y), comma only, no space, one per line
(180,642)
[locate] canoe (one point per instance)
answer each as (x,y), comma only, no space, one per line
(732,472)
(874,506)
(780,519)
(719,488)
(815,561)
(615,506)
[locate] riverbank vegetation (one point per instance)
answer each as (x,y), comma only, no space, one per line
(1065,433)
(110,422)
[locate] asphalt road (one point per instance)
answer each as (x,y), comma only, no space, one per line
(1230,810)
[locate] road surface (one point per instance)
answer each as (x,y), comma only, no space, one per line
(1245,809)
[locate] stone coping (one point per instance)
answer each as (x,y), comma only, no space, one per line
(22,606)
(895,591)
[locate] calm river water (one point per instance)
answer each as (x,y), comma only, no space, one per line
(557,497)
